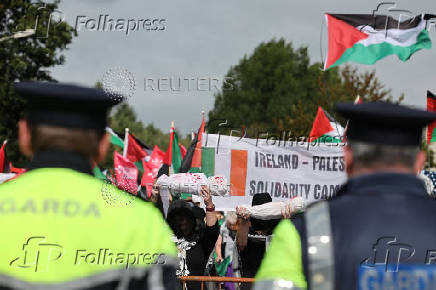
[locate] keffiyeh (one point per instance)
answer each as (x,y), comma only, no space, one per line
(182,246)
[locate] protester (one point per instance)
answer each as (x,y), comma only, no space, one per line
(251,238)
(194,242)
(225,246)
(377,231)
(58,211)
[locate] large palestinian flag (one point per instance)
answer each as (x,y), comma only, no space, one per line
(365,38)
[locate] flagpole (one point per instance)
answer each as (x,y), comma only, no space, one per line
(171,169)
(356,101)
(204,130)
(126,141)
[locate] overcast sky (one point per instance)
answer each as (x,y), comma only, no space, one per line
(203,38)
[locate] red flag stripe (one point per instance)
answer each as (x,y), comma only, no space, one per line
(196,158)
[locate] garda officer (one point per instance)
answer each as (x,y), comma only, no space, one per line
(378,232)
(58,231)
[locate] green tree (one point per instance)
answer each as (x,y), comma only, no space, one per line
(26,59)
(277,88)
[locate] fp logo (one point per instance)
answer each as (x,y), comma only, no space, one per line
(387,252)
(37,254)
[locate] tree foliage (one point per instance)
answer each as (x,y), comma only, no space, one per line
(26,59)
(277,88)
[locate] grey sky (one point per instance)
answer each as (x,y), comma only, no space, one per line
(204,38)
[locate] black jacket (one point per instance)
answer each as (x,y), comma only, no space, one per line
(372,217)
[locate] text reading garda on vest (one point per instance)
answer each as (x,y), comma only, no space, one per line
(67,207)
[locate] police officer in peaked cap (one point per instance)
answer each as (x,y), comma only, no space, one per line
(58,231)
(378,231)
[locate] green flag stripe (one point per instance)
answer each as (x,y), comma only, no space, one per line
(139,165)
(433,136)
(97,173)
(208,161)
(117,141)
(370,54)
(194,170)
(327,139)
(176,155)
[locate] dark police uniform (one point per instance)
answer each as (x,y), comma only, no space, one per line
(377,233)
(57,231)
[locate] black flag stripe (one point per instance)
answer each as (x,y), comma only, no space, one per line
(378,22)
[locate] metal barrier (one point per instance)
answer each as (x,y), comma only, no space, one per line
(219,279)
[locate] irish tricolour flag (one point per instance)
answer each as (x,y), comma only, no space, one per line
(365,38)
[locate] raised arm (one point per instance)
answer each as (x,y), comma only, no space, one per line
(211,218)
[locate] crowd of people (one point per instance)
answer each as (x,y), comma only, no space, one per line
(332,245)
(216,243)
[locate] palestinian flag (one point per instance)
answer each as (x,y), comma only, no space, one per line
(147,179)
(135,152)
(365,38)
(115,138)
(192,160)
(431,107)
(126,174)
(151,166)
(326,129)
(173,155)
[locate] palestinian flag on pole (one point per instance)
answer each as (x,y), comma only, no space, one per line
(192,161)
(326,129)
(367,38)
(173,155)
(115,138)
(151,168)
(134,151)
(431,107)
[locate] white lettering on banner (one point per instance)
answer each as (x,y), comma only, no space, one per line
(313,173)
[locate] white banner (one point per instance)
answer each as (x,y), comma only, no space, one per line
(312,171)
